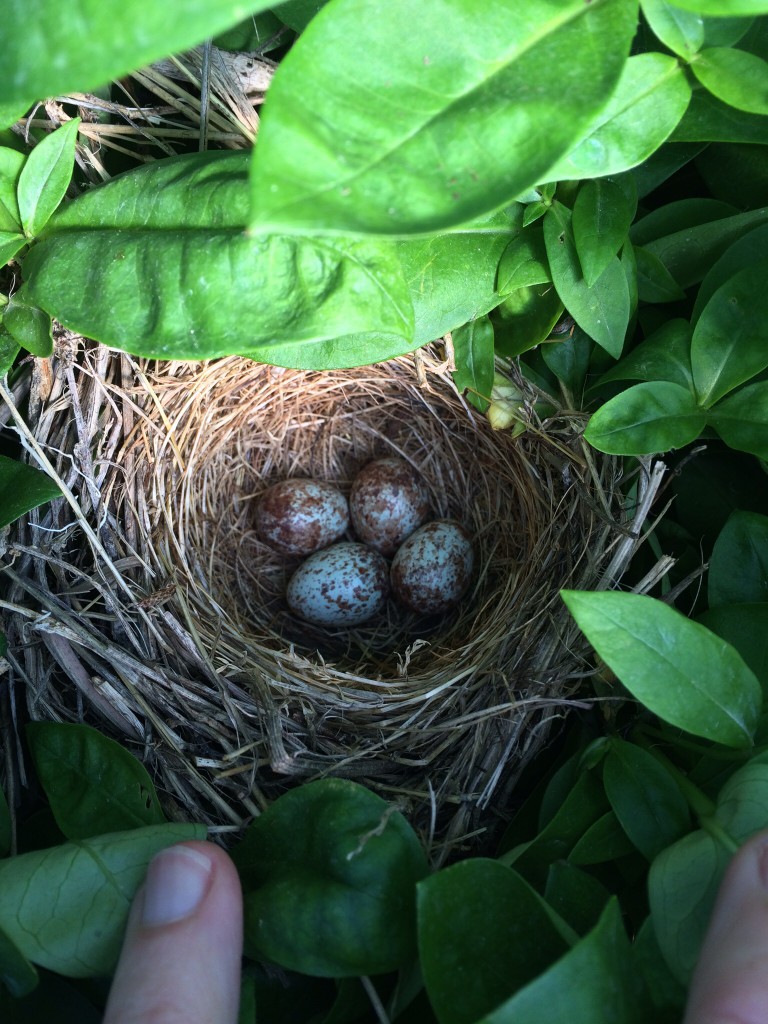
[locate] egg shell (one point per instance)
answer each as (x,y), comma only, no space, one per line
(432,569)
(344,585)
(298,516)
(388,501)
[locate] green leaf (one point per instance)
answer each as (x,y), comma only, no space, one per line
(654,281)
(452,276)
(11,163)
(647,104)
(664,355)
(602,310)
(725,8)
(329,871)
(680,30)
(10,245)
(524,262)
(708,119)
(297,14)
(9,349)
(575,895)
(483,934)
(578,810)
(682,886)
(173,230)
(647,418)
(741,419)
(525,318)
(745,627)
(592,982)
(602,214)
(730,339)
(645,798)
(569,360)
(45,177)
(93,784)
(16,972)
(605,840)
(690,235)
(676,668)
(66,907)
(738,567)
(22,488)
(726,31)
(665,996)
(473,349)
(6,826)
(738,78)
(29,326)
(433,149)
(745,252)
(742,804)
(46,55)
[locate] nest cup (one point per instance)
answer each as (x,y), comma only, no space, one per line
(144,602)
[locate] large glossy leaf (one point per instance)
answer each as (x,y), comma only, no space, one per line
(738,568)
(451,276)
(647,418)
(648,103)
(601,309)
(330,872)
(675,667)
(592,982)
(483,934)
(93,784)
(645,798)
(22,488)
(730,339)
(66,907)
(664,355)
(172,232)
(45,177)
(45,54)
(417,126)
(682,31)
(525,318)
(738,78)
(741,419)
(742,804)
(602,213)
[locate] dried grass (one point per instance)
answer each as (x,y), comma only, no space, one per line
(144,603)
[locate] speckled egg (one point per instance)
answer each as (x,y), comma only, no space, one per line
(297,517)
(342,586)
(432,569)
(387,503)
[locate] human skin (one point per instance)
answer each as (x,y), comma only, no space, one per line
(182,949)
(730,984)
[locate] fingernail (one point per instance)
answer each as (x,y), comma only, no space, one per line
(177,880)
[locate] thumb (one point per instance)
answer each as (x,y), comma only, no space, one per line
(181,954)
(730,984)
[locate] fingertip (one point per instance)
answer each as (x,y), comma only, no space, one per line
(183,944)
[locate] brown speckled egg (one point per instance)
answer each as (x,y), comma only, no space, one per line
(432,569)
(297,517)
(387,503)
(342,586)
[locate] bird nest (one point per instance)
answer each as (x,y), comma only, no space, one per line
(144,603)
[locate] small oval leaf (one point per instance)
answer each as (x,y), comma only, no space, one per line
(652,417)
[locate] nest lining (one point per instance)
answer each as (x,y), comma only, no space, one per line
(150,592)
